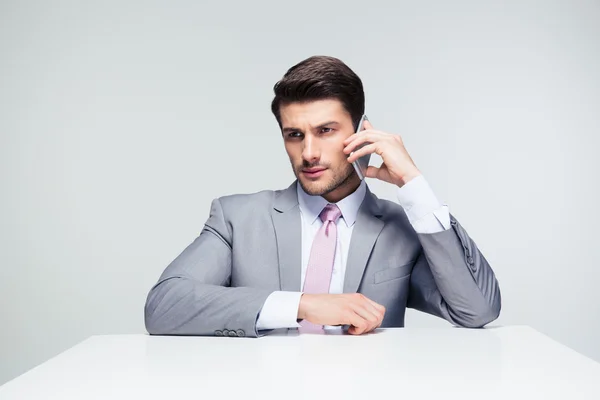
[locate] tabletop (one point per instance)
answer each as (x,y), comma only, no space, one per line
(491,363)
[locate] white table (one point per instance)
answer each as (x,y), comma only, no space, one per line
(494,363)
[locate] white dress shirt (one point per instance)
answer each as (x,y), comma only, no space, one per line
(425,213)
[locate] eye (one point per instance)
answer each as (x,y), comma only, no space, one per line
(295,134)
(326,130)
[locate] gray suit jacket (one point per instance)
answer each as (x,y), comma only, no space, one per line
(251,246)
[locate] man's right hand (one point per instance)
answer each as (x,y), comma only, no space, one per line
(362,314)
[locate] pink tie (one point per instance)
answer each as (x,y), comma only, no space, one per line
(320,262)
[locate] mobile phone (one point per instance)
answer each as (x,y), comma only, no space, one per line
(361,164)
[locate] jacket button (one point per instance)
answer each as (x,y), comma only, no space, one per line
(241,333)
(218,333)
(225,332)
(232,333)
(470,260)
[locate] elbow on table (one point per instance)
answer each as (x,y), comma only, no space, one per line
(167,306)
(480,317)
(155,324)
(159,310)
(480,320)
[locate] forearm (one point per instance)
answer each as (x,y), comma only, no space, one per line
(452,279)
(464,278)
(182,306)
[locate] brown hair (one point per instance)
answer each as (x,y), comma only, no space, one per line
(319,78)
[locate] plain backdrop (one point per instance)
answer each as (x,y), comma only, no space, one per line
(121,120)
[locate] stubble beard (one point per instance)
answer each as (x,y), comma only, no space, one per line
(340,178)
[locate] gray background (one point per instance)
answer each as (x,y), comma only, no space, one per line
(120,122)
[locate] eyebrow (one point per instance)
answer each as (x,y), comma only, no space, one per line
(320,126)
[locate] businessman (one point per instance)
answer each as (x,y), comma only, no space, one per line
(325,253)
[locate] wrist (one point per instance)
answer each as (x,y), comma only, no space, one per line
(302,307)
(307,303)
(408,177)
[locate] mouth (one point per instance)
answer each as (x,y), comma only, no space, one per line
(313,172)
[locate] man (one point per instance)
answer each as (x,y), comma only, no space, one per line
(325,253)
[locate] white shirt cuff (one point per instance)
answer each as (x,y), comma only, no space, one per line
(279,311)
(424,211)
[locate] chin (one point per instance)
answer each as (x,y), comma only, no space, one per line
(313,188)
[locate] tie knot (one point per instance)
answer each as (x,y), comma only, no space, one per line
(331,212)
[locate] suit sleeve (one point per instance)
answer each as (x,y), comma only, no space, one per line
(193,297)
(453,280)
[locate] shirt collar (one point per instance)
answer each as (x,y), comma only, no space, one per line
(311,206)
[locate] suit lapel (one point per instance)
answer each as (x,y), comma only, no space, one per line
(367,227)
(288,232)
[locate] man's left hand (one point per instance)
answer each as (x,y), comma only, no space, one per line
(397,168)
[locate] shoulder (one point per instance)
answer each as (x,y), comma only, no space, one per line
(251,203)
(256,199)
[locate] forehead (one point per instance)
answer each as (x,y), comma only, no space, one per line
(312,112)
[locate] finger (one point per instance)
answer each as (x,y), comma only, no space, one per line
(375,318)
(372,172)
(378,310)
(366,311)
(378,306)
(363,151)
(358,138)
(374,328)
(356,331)
(353,137)
(371,307)
(358,323)
(353,141)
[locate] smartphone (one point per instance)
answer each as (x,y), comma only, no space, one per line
(361,164)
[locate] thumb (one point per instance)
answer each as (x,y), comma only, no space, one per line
(372,172)
(352,330)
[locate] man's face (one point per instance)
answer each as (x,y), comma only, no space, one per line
(313,133)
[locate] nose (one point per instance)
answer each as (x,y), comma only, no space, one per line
(311,152)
